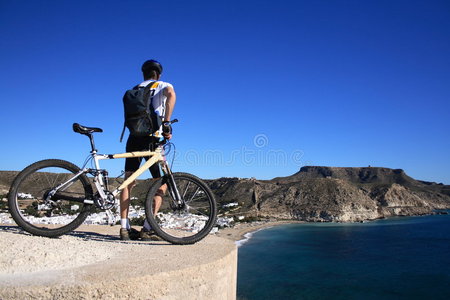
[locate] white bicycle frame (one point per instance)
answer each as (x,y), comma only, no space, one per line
(155,157)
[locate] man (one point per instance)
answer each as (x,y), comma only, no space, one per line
(163,101)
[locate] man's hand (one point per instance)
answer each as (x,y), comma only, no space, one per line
(167,130)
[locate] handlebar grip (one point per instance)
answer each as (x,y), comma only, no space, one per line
(167,128)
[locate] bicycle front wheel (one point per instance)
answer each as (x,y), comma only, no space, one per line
(181,224)
(46,199)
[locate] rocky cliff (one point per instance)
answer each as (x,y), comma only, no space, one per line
(323,194)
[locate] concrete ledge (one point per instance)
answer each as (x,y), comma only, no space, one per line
(128,270)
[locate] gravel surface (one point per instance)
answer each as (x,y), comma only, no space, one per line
(23,254)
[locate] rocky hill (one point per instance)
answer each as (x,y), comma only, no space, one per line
(323,194)
(320,194)
(6,178)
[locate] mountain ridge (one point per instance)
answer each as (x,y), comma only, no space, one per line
(340,194)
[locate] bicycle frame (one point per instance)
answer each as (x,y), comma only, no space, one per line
(155,157)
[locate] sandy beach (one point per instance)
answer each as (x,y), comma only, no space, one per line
(239,231)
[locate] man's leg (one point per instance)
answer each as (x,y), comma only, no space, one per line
(147,234)
(126,232)
(157,200)
(156,173)
(125,198)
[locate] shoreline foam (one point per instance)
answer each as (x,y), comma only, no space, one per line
(248,236)
(242,232)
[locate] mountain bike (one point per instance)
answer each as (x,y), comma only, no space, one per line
(53,197)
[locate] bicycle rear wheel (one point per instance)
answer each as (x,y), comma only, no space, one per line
(187,224)
(33,185)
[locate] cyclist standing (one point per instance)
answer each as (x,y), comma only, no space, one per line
(163,101)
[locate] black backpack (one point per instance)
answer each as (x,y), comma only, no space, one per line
(140,116)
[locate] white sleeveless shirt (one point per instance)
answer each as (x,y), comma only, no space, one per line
(158,100)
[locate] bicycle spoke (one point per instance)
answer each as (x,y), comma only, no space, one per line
(196,191)
(185,191)
(198,211)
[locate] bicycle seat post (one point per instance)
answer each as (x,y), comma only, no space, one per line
(91,139)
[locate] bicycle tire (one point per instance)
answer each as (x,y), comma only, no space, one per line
(29,188)
(191,217)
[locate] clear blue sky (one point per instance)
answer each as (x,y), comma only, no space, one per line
(263,87)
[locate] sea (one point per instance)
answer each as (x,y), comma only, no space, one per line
(395,258)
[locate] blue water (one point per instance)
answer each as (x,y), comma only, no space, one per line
(398,258)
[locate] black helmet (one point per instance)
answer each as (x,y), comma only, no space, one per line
(152,65)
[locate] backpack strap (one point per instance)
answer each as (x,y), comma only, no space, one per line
(154,84)
(149,87)
(123,131)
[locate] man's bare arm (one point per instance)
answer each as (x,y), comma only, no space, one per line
(169,92)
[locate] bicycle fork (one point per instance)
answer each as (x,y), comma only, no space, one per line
(172,186)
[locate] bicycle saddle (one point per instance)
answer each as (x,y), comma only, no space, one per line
(84,129)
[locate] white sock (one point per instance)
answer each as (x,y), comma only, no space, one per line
(125,223)
(147,225)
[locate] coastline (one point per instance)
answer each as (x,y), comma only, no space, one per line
(241,232)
